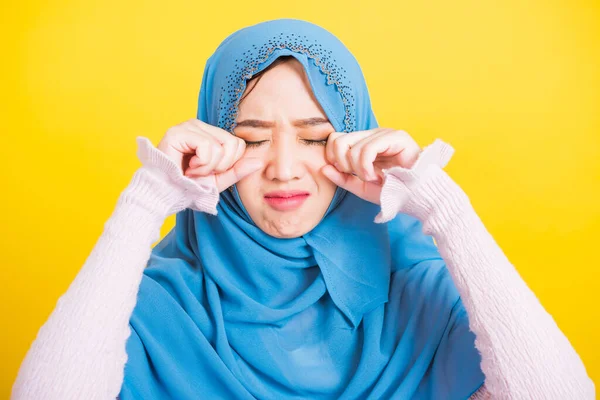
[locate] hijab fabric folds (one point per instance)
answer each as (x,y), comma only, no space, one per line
(351,310)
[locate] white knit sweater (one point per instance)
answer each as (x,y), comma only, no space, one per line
(80,352)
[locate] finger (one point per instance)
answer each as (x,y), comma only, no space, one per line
(178,144)
(391,143)
(221,135)
(341,147)
(203,151)
(329,154)
(364,153)
(410,153)
(201,159)
(197,124)
(191,146)
(240,150)
(209,156)
(240,170)
(230,149)
(192,126)
(365,190)
(195,161)
(232,156)
(172,152)
(230,144)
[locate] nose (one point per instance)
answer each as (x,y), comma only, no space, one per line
(284,162)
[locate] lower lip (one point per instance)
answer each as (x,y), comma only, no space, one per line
(286,203)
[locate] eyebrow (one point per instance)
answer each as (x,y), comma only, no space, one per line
(300,123)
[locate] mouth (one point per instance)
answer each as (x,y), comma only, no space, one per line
(286,200)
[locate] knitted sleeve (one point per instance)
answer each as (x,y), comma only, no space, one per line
(80,352)
(524,353)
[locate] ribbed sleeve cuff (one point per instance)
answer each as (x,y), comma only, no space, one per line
(160,185)
(424,191)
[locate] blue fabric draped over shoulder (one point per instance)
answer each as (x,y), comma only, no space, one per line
(350,310)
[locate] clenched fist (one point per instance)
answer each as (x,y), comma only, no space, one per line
(208,154)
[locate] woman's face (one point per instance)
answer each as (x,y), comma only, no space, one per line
(279,111)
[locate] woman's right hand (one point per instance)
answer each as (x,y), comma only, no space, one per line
(208,154)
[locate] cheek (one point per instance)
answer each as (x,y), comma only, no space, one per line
(314,157)
(249,186)
(326,187)
(314,163)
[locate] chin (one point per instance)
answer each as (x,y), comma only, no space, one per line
(286,229)
(291,235)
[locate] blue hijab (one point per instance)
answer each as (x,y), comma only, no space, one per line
(350,310)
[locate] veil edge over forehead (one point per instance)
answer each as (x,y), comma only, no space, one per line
(334,74)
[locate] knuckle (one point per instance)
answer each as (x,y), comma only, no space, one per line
(185,125)
(218,150)
(201,143)
(383,132)
(336,149)
(203,155)
(172,131)
(333,136)
(240,142)
(336,141)
(231,146)
(339,147)
(341,138)
(364,158)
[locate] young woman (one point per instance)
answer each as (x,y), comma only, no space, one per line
(302,263)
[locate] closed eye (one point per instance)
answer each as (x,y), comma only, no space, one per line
(254,144)
(315,142)
(306,141)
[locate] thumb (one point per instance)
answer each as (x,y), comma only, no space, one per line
(365,190)
(333,174)
(242,168)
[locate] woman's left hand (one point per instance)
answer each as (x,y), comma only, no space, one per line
(358,158)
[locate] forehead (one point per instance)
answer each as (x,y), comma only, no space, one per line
(283,89)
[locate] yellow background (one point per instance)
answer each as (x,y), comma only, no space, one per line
(514,86)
